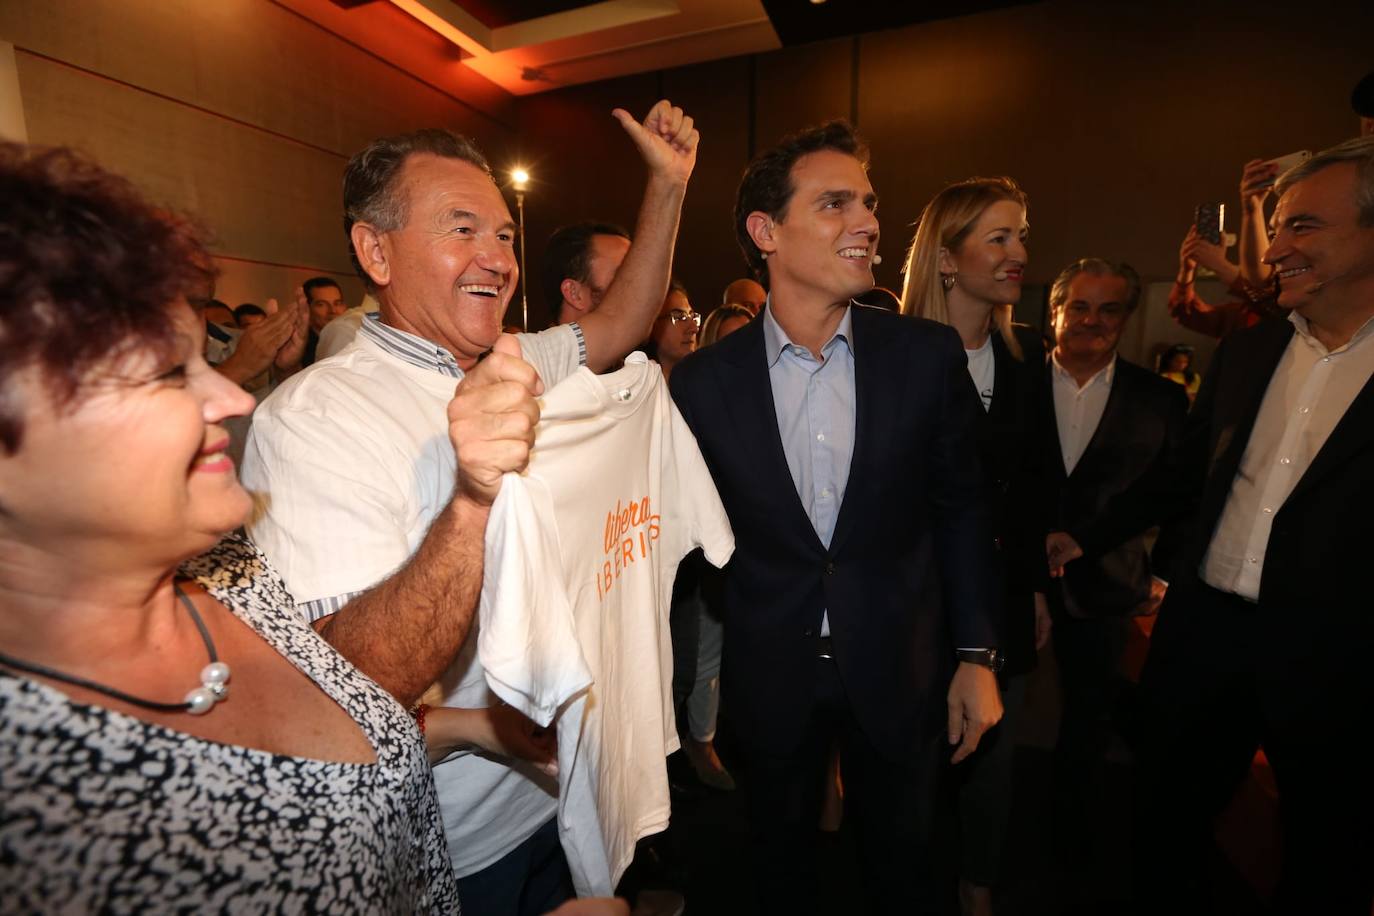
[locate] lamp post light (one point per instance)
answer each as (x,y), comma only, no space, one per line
(520,180)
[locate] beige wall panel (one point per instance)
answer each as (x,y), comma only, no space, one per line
(12,125)
(265,198)
(249,60)
(248,281)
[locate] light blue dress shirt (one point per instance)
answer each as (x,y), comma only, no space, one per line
(814,402)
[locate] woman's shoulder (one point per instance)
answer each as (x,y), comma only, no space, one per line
(237,573)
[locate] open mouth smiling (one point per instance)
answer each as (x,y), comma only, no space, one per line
(486,290)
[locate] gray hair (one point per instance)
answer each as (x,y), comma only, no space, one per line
(1360,151)
(1096,267)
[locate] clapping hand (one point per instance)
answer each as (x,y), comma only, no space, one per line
(276,341)
(297,317)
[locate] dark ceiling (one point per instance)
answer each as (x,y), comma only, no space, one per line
(800,21)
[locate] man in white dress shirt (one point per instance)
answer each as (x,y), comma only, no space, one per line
(1265,637)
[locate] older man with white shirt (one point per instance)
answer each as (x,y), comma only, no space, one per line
(1265,637)
(375,475)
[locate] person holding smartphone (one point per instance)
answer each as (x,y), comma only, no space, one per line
(1248,306)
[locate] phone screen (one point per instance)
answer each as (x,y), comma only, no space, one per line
(1208,218)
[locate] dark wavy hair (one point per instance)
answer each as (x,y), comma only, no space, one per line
(88,269)
(767,183)
(568,257)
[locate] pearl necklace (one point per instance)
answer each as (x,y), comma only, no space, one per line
(214,677)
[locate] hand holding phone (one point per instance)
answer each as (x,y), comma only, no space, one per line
(1209,219)
(1283,164)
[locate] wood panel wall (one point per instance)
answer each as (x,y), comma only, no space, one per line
(239,111)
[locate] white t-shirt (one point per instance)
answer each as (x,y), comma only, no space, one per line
(348,462)
(581,554)
(982,368)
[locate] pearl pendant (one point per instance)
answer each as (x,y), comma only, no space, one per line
(200,701)
(214,686)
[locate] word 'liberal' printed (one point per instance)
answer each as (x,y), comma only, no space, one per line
(631,531)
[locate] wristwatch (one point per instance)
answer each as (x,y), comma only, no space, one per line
(988,658)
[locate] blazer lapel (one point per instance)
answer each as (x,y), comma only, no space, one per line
(1353,432)
(1006,380)
(1256,362)
(1052,445)
(869,432)
(1117,397)
(747,396)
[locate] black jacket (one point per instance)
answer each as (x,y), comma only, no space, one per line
(1109,502)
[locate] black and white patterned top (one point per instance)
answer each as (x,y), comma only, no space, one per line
(103,812)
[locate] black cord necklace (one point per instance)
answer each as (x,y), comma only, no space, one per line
(214,677)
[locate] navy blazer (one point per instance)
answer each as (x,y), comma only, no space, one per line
(1107,504)
(909,572)
(1009,438)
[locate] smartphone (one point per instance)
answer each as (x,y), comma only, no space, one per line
(1284,163)
(1209,218)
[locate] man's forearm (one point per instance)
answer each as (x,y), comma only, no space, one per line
(404,631)
(626,315)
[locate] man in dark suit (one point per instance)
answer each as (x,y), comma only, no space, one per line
(1266,635)
(841,439)
(1117,432)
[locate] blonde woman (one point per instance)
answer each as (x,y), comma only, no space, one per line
(965,269)
(723,321)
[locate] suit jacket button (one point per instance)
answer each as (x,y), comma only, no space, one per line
(808,632)
(829,568)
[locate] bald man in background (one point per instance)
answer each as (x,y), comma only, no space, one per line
(747,293)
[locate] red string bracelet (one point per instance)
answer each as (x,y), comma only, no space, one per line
(417,712)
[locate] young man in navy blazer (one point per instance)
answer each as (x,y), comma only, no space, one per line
(859,604)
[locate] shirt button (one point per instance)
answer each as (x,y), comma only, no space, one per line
(829,568)
(1268,511)
(826,493)
(1285,461)
(1304,409)
(1326,359)
(1252,560)
(820,437)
